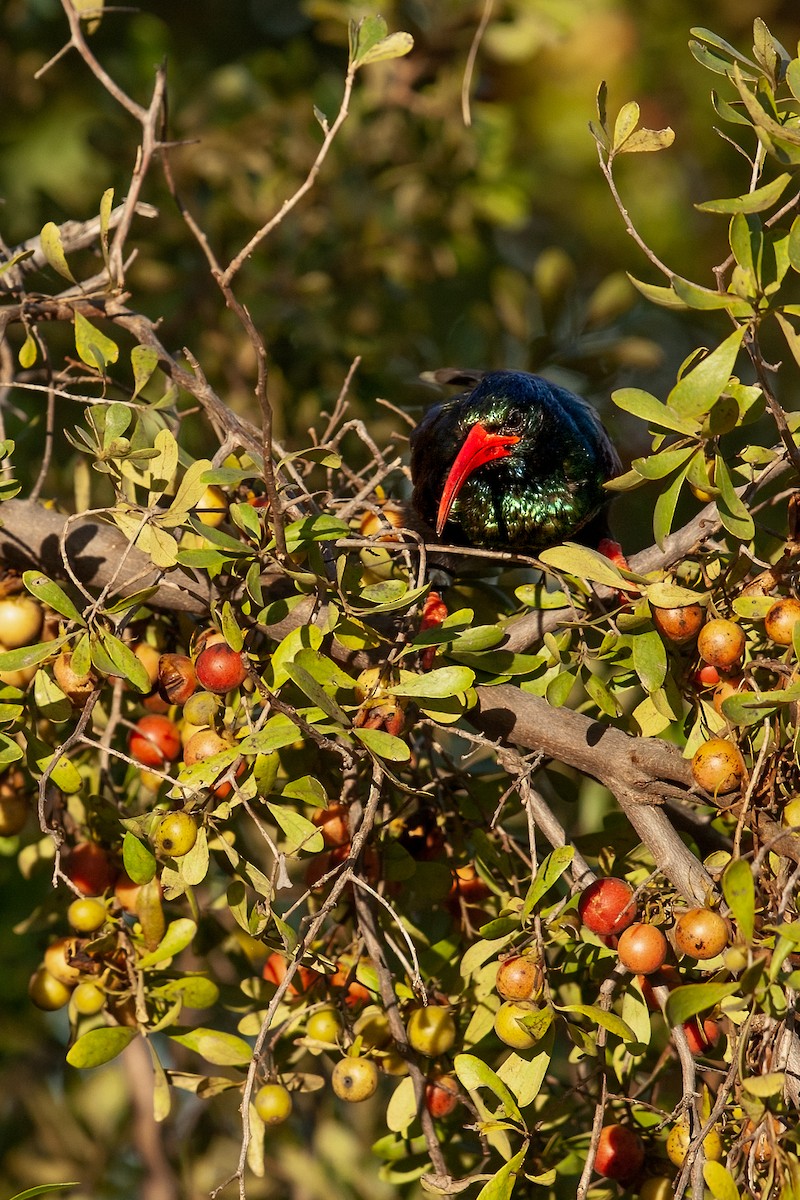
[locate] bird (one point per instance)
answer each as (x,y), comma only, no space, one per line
(515,463)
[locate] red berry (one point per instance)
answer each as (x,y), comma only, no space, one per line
(154,741)
(88,867)
(620,1153)
(441,1095)
(700,1037)
(606,906)
(219,668)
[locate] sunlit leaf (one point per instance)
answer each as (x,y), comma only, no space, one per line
(474,1073)
(99,1046)
(138,859)
(93,346)
(751,202)
(53,251)
(179,935)
(738,888)
(384,745)
(222,1049)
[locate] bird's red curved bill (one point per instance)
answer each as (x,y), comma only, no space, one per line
(479,447)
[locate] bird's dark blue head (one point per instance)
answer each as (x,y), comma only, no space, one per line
(516,462)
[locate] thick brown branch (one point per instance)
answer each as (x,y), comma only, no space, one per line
(634,769)
(30,537)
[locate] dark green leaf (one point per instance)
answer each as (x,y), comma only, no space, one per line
(550,870)
(732,512)
(316,693)
(664,512)
(126,663)
(51,594)
(30,656)
(692,998)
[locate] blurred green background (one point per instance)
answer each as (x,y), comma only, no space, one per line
(426,242)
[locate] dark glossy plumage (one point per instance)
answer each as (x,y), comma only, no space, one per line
(545,488)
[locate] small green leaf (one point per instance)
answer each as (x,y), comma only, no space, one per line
(383,744)
(30,656)
(317,694)
(53,250)
(626,122)
(99,1046)
(94,348)
(649,660)
(599,1016)
(191,486)
(307,637)
(670,595)
(587,564)
(300,833)
(222,1049)
(401,1111)
(29,352)
(126,664)
(502,1184)
(473,1073)
(524,1075)
(692,998)
(50,593)
(107,198)
(179,935)
(144,362)
(667,502)
(665,297)
(307,789)
(700,387)
(751,202)
(705,299)
(733,513)
(443,681)
(648,408)
(658,466)
(279,731)
(138,859)
(648,141)
(738,889)
(559,688)
(394,46)
(550,870)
